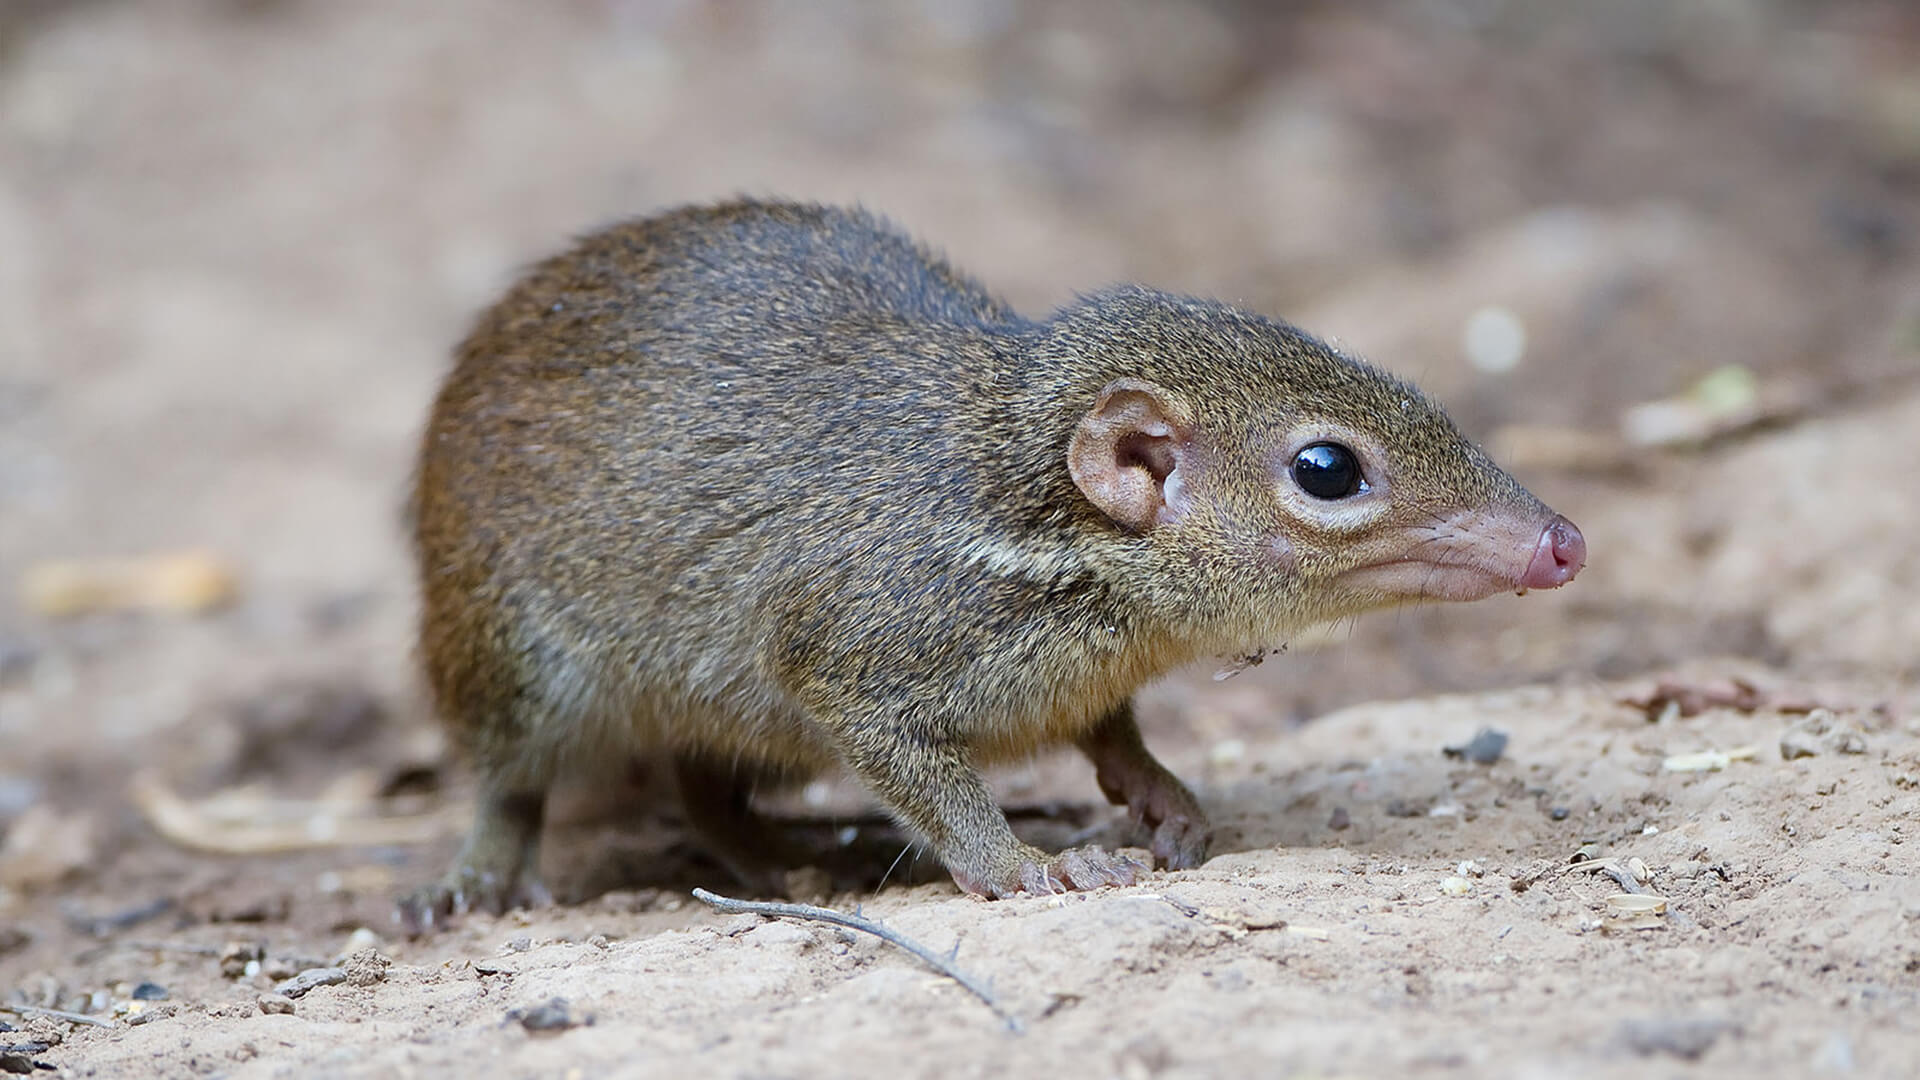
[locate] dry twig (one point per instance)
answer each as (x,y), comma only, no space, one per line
(942,964)
(57,1014)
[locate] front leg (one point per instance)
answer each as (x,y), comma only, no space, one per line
(1154,797)
(930,787)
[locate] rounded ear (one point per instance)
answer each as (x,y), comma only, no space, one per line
(1131,455)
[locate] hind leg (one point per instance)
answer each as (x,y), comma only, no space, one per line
(495,869)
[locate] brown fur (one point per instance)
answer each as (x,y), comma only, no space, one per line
(770,489)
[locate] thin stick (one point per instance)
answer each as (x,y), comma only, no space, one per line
(57,1014)
(942,964)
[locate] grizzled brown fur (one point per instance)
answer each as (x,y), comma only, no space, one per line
(768,489)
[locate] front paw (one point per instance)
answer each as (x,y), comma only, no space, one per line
(1036,873)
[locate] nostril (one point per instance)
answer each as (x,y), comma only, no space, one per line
(1569,547)
(1557,556)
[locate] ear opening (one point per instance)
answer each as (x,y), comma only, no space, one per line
(1154,453)
(1128,453)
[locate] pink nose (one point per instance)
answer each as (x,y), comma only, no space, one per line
(1559,555)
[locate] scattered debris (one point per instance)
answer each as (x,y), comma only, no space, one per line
(554,1014)
(182,583)
(56,1014)
(1687,1039)
(1636,903)
(365,968)
(1236,664)
(942,964)
(242,959)
(1630,874)
(300,984)
(1484,748)
(1821,732)
(1692,699)
(1709,760)
(1634,911)
(247,821)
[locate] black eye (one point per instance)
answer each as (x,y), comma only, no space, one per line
(1328,471)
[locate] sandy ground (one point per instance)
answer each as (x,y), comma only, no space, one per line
(239,238)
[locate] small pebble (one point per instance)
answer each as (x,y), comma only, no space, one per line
(1484,748)
(1455,886)
(1559,813)
(519,943)
(1687,1040)
(1339,819)
(555,1014)
(148,991)
(310,978)
(272,1004)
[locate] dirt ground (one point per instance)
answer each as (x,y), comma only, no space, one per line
(240,236)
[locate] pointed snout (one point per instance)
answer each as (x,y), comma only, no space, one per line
(1558,555)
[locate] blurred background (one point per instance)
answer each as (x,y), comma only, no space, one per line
(1660,255)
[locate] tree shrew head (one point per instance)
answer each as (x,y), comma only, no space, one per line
(1312,485)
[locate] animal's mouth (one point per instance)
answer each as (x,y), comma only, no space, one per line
(1476,555)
